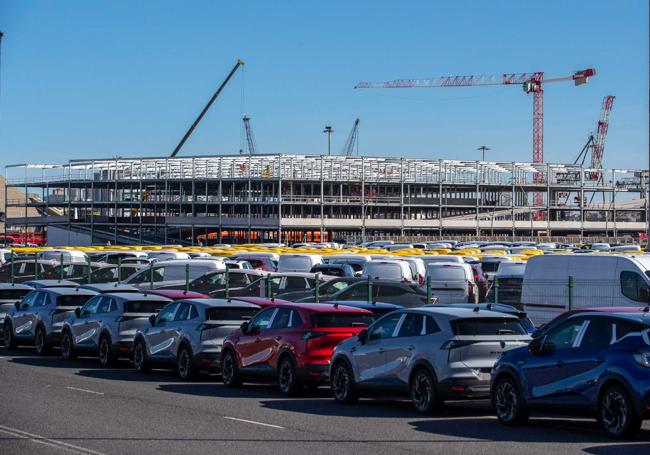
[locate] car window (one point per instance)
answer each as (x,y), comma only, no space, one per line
(105,305)
(295,282)
(358,292)
(237,280)
(385,327)
(390,291)
(183,312)
(598,333)
(412,325)
(40,299)
(91,306)
(634,287)
(430,326)
(262,320)
(281,319)
(564,336)
(295,319)
(167,313)
(335,287)
(622,328)
(28,301)
(13,294)
(145,276)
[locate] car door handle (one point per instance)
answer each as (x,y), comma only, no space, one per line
(411,348)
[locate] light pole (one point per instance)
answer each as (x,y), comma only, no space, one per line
(329,130)
(483,149)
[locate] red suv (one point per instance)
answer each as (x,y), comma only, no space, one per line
(291,342)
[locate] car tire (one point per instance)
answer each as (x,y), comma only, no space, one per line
(288,376)
(229,370)
(67,346)
(184,365)
(8,337)
(508,402)
(140,361)
(423,393)
(616,413)
(342,384)
(40,341)
(106,356)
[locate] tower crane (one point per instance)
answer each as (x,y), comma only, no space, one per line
(250,139)
(596,142)
(352,141)
(530,82)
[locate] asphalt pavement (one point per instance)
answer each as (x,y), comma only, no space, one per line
(51,406)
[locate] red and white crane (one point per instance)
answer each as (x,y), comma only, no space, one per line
(531,83)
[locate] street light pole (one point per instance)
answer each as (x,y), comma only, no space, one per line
(329,130)
(483,149)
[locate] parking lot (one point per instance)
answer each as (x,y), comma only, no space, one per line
(55,406)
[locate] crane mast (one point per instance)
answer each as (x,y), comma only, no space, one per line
(352,141)
(601,132)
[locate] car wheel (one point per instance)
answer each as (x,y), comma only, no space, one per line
(287,376)
(106,357)
(342,384)
(40,341)
(8,337)
(616,413)
(67,348)
(423,391)
(184,363)
(140,362)
(229,370)
(507,402)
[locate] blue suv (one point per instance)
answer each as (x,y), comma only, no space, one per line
(592,361)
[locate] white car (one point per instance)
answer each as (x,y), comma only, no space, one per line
(452,283)
(298,262)
(388,269)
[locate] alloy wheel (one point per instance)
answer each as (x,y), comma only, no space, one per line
(40,341)
(104,352)
(341,383)
(286,378)
(184,364)
(614,412)
(66,345)
(506,401)
(422,392)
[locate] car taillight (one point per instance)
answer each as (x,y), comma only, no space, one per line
(642,358)
(311,335)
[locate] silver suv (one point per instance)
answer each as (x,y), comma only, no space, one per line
(38,318)
(10,294)
(189,334)
(433,354)
(107,323)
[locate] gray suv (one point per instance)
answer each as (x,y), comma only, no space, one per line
(432,354)
(107,323)
(189,334)
(9,295)
(38,318)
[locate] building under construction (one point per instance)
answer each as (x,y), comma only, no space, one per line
(290,198)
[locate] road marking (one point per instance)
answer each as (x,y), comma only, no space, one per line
(254,422)
(84,390)
(48,442)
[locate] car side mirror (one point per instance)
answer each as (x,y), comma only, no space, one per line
(152,320)
(17,305)
(363,336)
(244,327)
(535,346)
(77,312)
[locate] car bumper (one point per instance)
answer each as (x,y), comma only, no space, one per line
(314,373)
(464,388)
(208,360)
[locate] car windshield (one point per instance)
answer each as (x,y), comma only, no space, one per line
(139,306)
(13,294)
(230,314)
(487,326)
(340,319)
(72,300)
(490,266)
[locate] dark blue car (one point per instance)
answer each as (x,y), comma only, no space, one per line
(592,361)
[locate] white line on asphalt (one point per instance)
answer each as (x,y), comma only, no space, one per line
(48,442)
(254,422)
(84,390)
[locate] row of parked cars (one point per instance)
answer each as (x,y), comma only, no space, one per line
(341,331)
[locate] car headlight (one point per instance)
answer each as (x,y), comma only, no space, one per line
(642,358)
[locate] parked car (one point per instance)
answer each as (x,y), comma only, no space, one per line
(279,282)
(42,284)
(38,318)
(452,282)
(173,273)
(107,323)
(386,291)
(377,309)
(25,269)
(103,288)
(267,262)
(165,255)
(490,265)
(480,280)
(9,295)
(177,294)
(298,262)
(75,271)
(188,334)
(291,343)
(524,320)
(596,362)
(388,269)
(117,257)
(509,279)
(325,290)
(597,280)
(237,265)
(109,273)
(431,354)
(355,261)
(5,256)
(63,256)
(339,270)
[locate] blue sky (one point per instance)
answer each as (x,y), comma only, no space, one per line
(87,79)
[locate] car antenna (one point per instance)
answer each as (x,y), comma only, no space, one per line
(489,306)
(475,310)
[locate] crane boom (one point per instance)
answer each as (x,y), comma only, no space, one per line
(352,140)
(205,109)
(250,139)
(601,132)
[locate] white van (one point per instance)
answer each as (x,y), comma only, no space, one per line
(68,256)
(298,262)
(597,281)
(490,265)
(355,261)
(442,258)
(162,255)
(388,269)
(452,282)
(626,248)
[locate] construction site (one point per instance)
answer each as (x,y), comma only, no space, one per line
(254,197)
